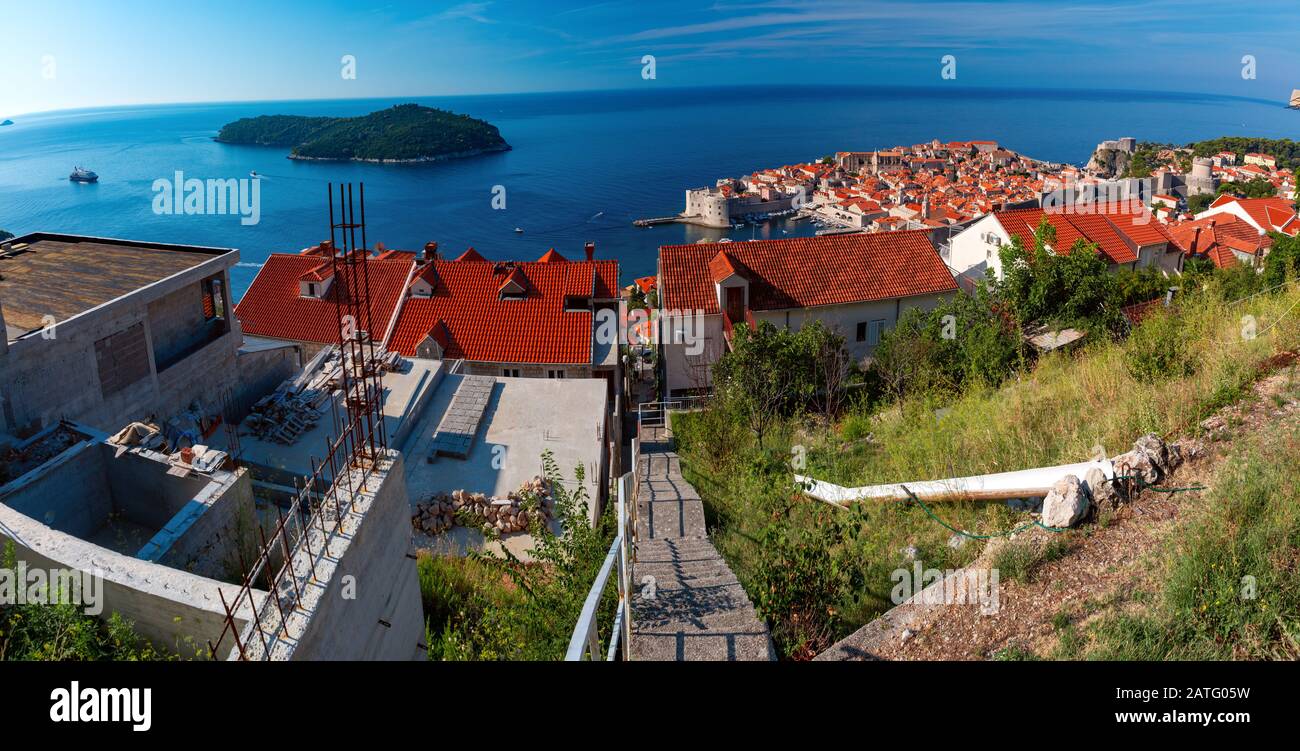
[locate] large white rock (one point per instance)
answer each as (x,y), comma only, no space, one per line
(1065,504)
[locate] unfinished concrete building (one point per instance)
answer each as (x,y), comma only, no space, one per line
(113,338)
(130,329)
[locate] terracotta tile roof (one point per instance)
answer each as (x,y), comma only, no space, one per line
(1070,228)
(1218,236)
(471,255)
(807,272)
(479,325)
(274,306)
(606,279)
(552,256)
(1139,226)
(1271,213)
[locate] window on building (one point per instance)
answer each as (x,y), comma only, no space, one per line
(862,331)
(555,374)
(510,372)
(874,332)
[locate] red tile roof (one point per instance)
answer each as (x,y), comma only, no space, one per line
(807,272)
(1070,228)
(1219,235)
(274,306)
(1271,213)
(467,311)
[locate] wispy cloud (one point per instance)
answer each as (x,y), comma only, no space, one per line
(467,11)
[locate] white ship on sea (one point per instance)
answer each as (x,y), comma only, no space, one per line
(1295,99)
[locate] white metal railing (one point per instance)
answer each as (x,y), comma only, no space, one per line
(652,414)
(586,634)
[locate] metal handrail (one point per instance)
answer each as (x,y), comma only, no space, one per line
(586,633)
(659,410)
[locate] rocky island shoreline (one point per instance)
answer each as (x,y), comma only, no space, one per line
(403,134)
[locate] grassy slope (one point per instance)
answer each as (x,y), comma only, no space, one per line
(1206,607)
(818,573)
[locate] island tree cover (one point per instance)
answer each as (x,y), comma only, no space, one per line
(6,235)
(406,132)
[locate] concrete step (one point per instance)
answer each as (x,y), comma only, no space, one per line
(664,519)
(735,646)
(697,609)
(722,608)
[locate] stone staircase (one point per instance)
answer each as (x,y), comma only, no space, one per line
(693,608)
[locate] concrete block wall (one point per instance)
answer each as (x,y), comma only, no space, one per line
(66,493)
(175,320)
(205,537)
(365,604)
(174,609)
(31,398)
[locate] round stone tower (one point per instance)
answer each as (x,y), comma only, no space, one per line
(1202,179)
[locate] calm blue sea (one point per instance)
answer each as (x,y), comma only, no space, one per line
(584,165)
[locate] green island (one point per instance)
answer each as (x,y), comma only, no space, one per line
(403,133)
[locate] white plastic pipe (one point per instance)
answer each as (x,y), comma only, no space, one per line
(1025,483)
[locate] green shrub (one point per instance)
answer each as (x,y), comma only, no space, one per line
(1157,349)
(499,607)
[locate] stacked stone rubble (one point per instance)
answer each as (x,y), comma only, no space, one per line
(534,499)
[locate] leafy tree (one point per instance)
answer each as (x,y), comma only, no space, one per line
(771,371)
(1283,260)
(6,235)
(1199,202)
(1257,188)
(1141,285)
(1040,286)
(963,341)
(1286,151)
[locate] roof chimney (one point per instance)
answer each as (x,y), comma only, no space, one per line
(591,250)
(1196,240)
(430,251)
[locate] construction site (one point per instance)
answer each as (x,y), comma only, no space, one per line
(236,504)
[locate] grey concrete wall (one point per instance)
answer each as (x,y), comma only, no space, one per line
(260,372)
(32,399)
(174,609)
(143,492)
(372,562)
(207,535)
(67,493)
(176,320)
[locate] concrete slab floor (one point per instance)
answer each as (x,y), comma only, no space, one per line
(401,392)
(523,418)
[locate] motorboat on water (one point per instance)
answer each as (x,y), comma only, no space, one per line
(519,230)
(83,175)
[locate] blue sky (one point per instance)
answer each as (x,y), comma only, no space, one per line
(59,55)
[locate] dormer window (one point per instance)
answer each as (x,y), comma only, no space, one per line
(576,303)
(512,288)
(313,289)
